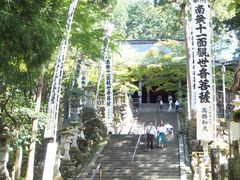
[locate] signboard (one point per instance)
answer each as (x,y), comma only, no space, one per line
(108,93)
(201,27)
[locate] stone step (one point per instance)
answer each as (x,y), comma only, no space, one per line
(143,139)
(140,166)
(156,154)
(117,153)
(153,165)
(133,145)
(141,157)
(141,170)
(132,148)
(124,137)
(124,162)
(142,152)
(156,149)
(142,173)
(139,177)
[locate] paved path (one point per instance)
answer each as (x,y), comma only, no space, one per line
(151,112)
(159,164)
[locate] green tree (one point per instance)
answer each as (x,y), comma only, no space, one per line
(30,31)
(140,20)
(165,67)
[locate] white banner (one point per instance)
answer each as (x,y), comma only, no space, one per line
(54,99)
(108,94)
(203,69)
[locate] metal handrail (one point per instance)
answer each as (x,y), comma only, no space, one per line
(99,170)
(135,150)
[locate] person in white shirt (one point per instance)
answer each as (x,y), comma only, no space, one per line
(161,104)
(161,130)
(151,134)
(177,105)
(170,105)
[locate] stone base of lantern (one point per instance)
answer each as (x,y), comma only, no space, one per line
(67,169)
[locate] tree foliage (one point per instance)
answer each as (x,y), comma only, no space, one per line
(143,21)
(88,27)
(30,31)
(165,66)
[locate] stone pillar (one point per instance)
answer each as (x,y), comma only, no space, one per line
(215,164)
(74,138)
(65,144)
(67,167)
(89,96)
(205,165)
(4,154)
(57,174)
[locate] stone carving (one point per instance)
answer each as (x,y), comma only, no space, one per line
(65,143)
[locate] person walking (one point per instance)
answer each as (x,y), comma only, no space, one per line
(151,133)
(170,105)
(161,104)
(177,105)
(161,130)
(170,98)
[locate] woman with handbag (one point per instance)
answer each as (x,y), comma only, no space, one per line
(161,130)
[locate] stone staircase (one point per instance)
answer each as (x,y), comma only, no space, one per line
(148,165)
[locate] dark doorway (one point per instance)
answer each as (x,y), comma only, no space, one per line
(154,95)
(144,95)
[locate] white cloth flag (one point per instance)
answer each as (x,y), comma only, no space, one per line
(108,94)
(201,25)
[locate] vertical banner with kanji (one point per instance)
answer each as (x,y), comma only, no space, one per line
(108,94)
(201,25)
(83,83)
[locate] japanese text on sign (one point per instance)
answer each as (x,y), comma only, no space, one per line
(203,69)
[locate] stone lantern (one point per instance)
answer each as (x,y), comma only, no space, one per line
(4,153)
(67,168)
(234,132)
(89,96)
(65,141)
(234,126)
(75,121)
